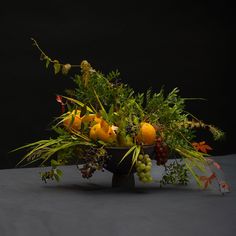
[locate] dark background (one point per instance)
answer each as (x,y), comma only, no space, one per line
(170,43)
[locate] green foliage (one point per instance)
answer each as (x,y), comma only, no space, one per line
(168,113)
(121,108)
(217,133)
(64,68)
(54,173)
(45,150)
(57,67)
(105,88)
(175,173)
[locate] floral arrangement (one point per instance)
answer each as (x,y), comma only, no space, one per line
(102,112)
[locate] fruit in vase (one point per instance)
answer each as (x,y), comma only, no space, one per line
(146,134)
(73,120)
(162,151)
(143,168)
(91,118)
(102,131)
(124,140)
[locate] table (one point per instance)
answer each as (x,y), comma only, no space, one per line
(76,206)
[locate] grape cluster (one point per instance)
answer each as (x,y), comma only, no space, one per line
(143,168)
(131,129)
(95,159)
(162,152)
(87,170)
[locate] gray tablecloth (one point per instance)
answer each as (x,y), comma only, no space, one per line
(76,206)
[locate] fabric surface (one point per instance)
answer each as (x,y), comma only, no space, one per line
(76,206)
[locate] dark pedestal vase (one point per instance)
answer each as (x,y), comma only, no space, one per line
(123,172)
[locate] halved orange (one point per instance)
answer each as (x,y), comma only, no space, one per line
(99,132)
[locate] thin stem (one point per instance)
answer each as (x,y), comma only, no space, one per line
(194,117)
(204,99)
(36,44)
(48,58)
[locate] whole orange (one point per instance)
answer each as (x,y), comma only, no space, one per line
(146,134)
(73,120)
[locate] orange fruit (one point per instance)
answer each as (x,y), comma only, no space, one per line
(106,134)
(73,120)
(93,131)
(147,134)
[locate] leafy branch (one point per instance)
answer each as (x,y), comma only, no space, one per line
(175,173)
(64,68)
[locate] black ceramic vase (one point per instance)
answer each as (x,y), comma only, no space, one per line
(123,175)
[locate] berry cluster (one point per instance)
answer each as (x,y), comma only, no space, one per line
(175,173)
(143,168)
(162,152)
(87,170)
(95,160)
(131,129)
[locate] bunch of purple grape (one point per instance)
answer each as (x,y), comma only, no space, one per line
(95,160)
(87,170)
(162,152)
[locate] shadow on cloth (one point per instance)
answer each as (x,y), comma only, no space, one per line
(102,189)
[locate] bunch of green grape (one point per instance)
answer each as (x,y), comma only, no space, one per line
(143,168)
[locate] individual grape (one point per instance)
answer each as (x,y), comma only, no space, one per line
(146,156)
(150,179)
(139,162)
(87,171)
(141,174)
(147,168)
(140,157)
(142,166)
(149,163)
(144,179)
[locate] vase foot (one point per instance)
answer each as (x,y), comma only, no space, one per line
(123,181)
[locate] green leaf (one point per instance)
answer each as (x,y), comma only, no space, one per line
(47,62)
(78,103)
(83,111)
(57,67)
(57,177)
(135,156)
(128,152)
(59,172)
(99,101)
(194,174)
(54,163)
(82,136)
(40,145)
(72,119)
(102,142)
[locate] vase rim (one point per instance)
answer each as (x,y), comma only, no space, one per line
(128,147)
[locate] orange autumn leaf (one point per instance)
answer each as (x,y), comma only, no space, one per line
(214,163)
(59,100)
(207,180)
(201,146)
(225,186)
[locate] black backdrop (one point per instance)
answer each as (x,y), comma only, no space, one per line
(170,43)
